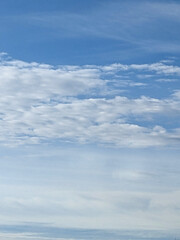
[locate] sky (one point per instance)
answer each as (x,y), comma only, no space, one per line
(89,119)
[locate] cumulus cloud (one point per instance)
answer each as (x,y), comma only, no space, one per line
(40,102)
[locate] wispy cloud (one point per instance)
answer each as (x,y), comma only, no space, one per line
(136,23)
(141,210)
(88,188)
(49,233)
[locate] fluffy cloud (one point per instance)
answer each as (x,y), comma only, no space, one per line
(42,102)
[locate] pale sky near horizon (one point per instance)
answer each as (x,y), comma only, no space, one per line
(89,119)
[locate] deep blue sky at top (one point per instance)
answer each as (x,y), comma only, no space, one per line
(88,32)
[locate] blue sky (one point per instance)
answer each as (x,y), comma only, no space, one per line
(89,119)
(90,32)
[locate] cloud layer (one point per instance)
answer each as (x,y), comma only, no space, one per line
(87,104)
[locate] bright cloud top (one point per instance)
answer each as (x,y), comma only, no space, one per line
(88,104)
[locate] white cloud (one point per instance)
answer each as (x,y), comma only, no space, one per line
(160,68)
(42,102)
(177,94)
(168,80)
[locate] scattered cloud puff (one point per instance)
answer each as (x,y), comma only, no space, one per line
(41,102)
